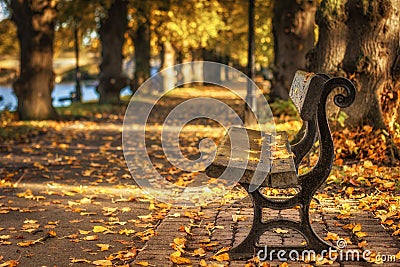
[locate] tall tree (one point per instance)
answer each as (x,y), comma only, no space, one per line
(141,40)
(76,20)
(293,30)
(35,21)
(365,36)
(112,36)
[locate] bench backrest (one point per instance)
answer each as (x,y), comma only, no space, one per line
(305,93)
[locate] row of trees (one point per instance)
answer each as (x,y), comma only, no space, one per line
(357,39)
(177,30)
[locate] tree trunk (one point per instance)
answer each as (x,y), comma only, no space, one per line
(112,30)
(169,77)
(370,58)
(141,40)
(211,72)
(327,56)
(329,52)
(35,23)
(198,72)
(293,30)
(360,39)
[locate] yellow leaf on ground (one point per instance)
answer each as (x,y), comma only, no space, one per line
(349,226)
(83,232)
(323,261)
(357,228)
(52,233)
(331,236)
(91,238)
(221,255)
(142,263)
(103,263)
(103,247)
(199,252)
(280,231)
(361,234)
(177,259)
(26,243)
(99,229)
(11,263)
(180,241)
(74,260)
(203,263)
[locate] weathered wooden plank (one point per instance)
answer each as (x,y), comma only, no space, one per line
(243,152)
(305,93)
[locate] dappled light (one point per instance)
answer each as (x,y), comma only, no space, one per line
(199,133)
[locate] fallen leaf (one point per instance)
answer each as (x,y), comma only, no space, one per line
(103,247)
(11,263)
(99,229)
(221,255)
(102,263)
(357,228)
(83,232)
(142,263)
(199,252)
(74,260)
(362,244)
(26,243)
(280,231)
(331,236)
(177,259)
(203,263)
(91,238)
(361,234)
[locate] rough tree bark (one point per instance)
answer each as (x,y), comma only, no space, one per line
(293,30)
(35,23)
(360,39)
(370,57)
(141,40)
(365,40)
(112,30)
(329,52)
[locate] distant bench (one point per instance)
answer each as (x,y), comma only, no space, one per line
(268,160)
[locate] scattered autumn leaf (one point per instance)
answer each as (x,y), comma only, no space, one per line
(176,258)
(102,263)
(103,247)
(91,238)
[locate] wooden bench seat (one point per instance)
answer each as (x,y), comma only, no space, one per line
(275,162)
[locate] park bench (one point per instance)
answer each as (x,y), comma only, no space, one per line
(270,161)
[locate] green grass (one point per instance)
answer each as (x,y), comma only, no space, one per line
(90,109)
(283,107)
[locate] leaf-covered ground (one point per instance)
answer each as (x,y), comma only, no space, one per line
(67,198)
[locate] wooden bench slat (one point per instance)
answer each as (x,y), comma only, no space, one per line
(276,161)
(305,92)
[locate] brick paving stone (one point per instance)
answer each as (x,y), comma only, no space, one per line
(218,225)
